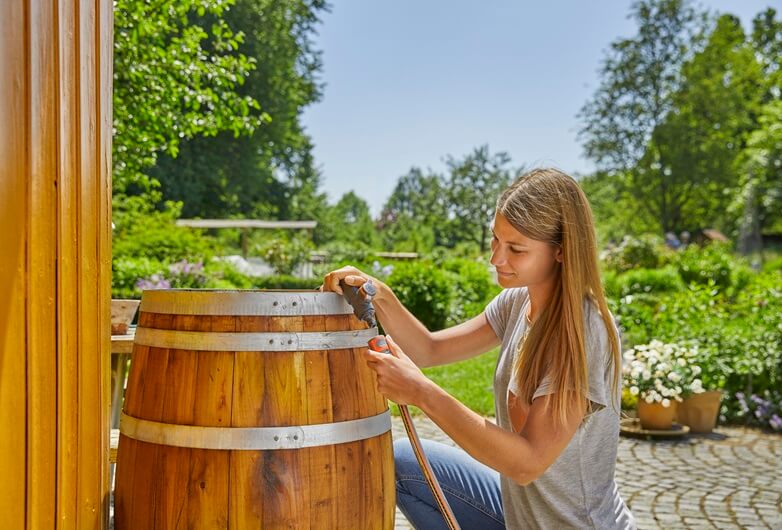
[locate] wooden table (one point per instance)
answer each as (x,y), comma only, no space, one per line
(121,347)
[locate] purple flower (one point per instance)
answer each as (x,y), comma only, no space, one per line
(742,403)
(156,281)
(775,422)
(760,401)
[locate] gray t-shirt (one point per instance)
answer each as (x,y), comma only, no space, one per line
(578,490)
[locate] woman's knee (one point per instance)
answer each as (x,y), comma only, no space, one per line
(405,463)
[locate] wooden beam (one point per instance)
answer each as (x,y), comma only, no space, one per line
(55,265)
(247,223)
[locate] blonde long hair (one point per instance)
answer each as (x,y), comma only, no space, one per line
(548,205)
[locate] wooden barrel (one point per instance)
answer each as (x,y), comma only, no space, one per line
(252,409)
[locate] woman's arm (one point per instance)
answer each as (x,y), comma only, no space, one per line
(460,342)
(522,457)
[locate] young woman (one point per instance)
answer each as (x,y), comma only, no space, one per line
(549,460)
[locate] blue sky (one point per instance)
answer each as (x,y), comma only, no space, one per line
(409,82)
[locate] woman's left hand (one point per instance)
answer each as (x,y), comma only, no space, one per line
(398,378)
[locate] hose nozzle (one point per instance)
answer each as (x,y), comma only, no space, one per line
(360,298)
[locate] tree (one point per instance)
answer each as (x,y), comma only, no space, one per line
(639,78)
(759,204)
(352,216)
(259,174)
(615,211)
(415,216)
(167,88)
(688,174)
(474,184)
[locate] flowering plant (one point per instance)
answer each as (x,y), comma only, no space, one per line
(764,411)
(662,373)
(181,274)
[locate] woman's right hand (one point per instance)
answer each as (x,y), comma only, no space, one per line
(351,276)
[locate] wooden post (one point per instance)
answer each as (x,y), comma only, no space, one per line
(55,262)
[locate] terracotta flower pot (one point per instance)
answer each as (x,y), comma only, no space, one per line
(654,416)
(700,411)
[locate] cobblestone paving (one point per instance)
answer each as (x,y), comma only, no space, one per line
(731,478)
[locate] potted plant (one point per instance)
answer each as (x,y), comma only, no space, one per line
(659,375)
(700,407)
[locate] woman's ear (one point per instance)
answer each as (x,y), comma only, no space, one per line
(558,254)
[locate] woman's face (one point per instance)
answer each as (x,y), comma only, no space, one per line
(519,260)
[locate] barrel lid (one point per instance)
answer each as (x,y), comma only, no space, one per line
(250,302)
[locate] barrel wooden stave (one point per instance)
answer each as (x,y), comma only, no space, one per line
(172,487)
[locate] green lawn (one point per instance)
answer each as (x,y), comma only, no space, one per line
(468,381)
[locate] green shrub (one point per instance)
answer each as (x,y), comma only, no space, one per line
(634,315)
(223,275)
(643,252)
(648,281)
(773,265)
(341,252)
(739,336)
(283,281)
(713,262)
(473,288)
(186,275)
(425,290)
(285,254)
(127,271)
(147,233)
(611,285)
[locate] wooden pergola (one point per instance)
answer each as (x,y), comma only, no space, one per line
(246,224)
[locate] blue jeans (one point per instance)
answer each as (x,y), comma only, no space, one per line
(472,489)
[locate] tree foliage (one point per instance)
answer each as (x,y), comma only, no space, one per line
(257,175)
(353,220)
(689,169)
(174,80)
(677,124)
(474,185)
(427,209)
(415,216)
(639,76)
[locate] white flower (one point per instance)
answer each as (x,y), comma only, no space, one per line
(673,376)
(637,365)
(629,355)
(649,399)
(696,370)
(634,390)
(666,403)
(681,361)
(647,374)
